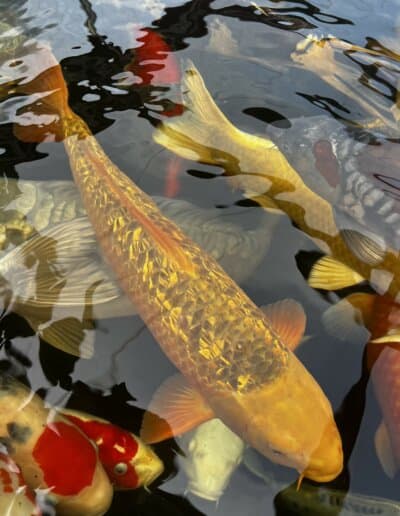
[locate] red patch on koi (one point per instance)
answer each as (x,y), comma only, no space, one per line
(172,183)
(153,61)
(326,162)
(66,457)
(115,446)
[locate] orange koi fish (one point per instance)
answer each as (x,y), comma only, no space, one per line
(16,497)
(232,354)
(128,461)
(52,453)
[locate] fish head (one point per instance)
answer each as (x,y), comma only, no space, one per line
(129,462)
(212,453)
(289,421)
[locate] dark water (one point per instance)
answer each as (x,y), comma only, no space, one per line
(92,40)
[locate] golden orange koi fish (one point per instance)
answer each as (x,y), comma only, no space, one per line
(232,354)
(260,169)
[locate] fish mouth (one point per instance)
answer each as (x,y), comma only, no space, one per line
(148,468)
(203,493)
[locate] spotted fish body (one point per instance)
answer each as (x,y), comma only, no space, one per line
(51,452)
(258,167)
(206,325)
(355,169)
(16,498)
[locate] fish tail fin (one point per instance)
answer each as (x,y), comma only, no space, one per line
(192,135)
(42,119)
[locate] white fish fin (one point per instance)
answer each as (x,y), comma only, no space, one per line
(59,267)
(70,335)
(369,250)
(329,274)
(384,450)
(175,408)
(344,319)
(288,319)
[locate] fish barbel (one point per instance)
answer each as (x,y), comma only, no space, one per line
(260,169)
(218,338)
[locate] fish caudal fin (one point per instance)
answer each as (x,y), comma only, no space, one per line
(41,120)
(175,409)
(192,134)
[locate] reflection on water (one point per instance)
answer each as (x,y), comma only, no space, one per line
(331,106)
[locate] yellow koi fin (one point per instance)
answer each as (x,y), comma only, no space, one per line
(329,274)
(369,250)
(288,319)
(384,450)
(191,135)
(346,320)
(202,132)
(69,335)
(390,337)
(175,408)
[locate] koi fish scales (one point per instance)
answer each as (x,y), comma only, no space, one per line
(201,317)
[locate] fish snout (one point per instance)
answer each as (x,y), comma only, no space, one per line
(326,462)
(148,466)
(206,489)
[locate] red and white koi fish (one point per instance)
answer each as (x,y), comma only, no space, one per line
(52,452)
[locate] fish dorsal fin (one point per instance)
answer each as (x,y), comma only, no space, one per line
(368,250)
(70,335)
(175,408)
(345,319)
(384,450)
(329,274)
(288,319)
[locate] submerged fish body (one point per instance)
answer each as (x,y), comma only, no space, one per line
(381,316)
(52,453)
(127,460)
(311,499)
(260,169)
(221,342)
(352,168)
(16,498)
(212,454)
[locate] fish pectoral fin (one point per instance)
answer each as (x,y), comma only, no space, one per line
(384,450)
(343,320)
(70,335)
(390,337)
(175,408)
(369,250)
(288,320)
(329,274)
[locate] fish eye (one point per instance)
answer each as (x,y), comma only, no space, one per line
(121,468)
